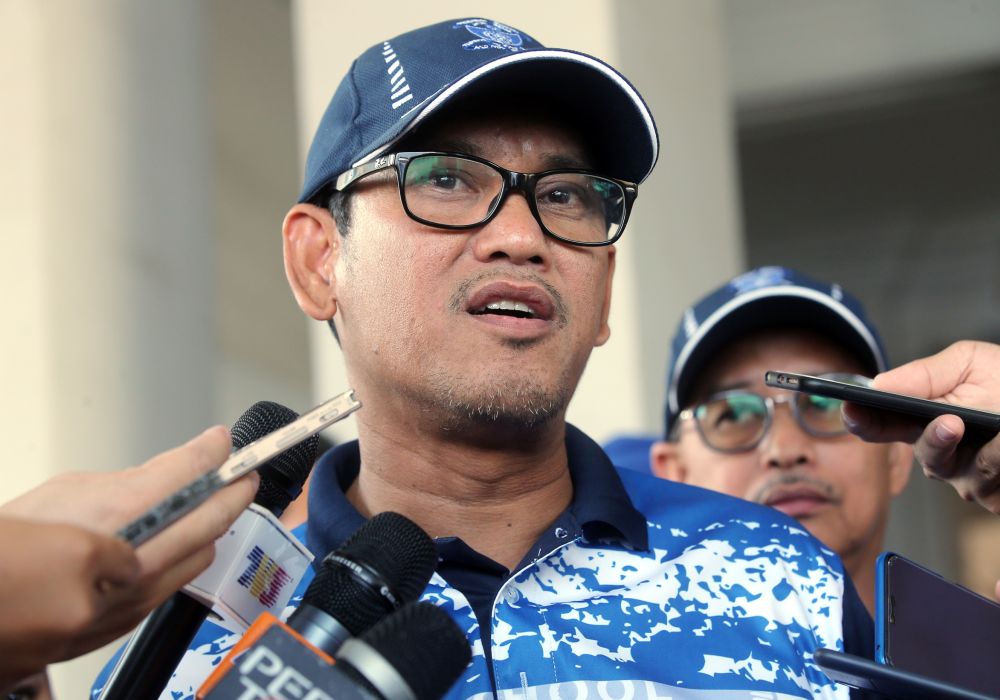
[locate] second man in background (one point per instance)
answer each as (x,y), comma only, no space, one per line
(727,431)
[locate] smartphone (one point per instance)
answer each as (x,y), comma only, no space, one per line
(928,625)
(982,424)
(241,462)
(859,672)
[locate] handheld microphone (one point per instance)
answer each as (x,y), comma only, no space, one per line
(382,566)
(416,653)
(157,646)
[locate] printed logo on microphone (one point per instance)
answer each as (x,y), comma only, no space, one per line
(264,577)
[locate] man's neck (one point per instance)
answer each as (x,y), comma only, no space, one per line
(860,566)
(497,500)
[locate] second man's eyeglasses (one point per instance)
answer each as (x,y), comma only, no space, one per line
(736,421)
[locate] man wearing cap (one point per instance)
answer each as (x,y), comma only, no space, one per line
(727,431)
(462,195)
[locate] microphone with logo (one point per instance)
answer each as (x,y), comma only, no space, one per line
(384,565)
(159,643)
(415,653)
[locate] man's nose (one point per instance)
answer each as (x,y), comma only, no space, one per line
(513,234)
(786,445)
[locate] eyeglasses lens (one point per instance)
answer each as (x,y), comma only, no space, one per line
(737,421)
(580,207)
(732,422)
(820,415)
(450,191)
(455,191)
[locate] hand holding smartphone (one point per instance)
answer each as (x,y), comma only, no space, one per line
(240,463)
(980,425)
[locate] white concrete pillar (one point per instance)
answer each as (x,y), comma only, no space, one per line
(684,235)
(106,250)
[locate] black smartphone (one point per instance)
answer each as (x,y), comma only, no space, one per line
(929,625)
(859,672)
(983,424)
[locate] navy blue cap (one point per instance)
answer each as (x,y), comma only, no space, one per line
(396,84)
(767,297)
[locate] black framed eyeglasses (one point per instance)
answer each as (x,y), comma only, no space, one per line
(455,192)
(736,421)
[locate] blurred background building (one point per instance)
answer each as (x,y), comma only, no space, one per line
(150,149)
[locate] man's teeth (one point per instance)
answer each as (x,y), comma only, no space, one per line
(508,305)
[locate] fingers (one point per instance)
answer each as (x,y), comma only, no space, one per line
(170,470)
(103,587)
(972,469)
(166,554)
(107,501)
(874,425)
(184,549)
(936,447)
(114,563)
(58,583)
(986,475)
(929,377)
(129,605)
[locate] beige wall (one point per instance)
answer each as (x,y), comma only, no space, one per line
(147,155)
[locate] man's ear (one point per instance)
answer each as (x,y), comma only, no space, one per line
(665,461)
(311,246)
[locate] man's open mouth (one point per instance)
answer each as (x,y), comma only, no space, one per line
(511,300)
(506,307)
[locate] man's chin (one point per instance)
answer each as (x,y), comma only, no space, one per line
(506,415)
(518,403)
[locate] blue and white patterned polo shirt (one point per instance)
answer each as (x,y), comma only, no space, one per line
(718,599)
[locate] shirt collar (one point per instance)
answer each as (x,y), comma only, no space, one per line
(600,503)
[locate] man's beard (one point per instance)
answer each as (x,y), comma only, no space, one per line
(512,403)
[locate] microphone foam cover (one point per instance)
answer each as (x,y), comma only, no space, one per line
(424,645)
(391,546)
(398,549)
(341,595)
(282,476)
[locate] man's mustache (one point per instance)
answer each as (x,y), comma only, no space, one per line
(790,480)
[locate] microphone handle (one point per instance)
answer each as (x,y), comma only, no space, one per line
(155,649)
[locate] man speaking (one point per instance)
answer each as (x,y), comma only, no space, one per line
(463,197)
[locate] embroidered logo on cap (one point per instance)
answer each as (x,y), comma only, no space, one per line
(761,277)
(491,35)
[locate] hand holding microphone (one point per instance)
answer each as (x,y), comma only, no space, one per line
(159,644)
(55,581)
(100,503)
(92,508)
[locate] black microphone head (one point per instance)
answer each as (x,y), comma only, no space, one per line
(388,559)
(281,477)
(398,549)
(423,644)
